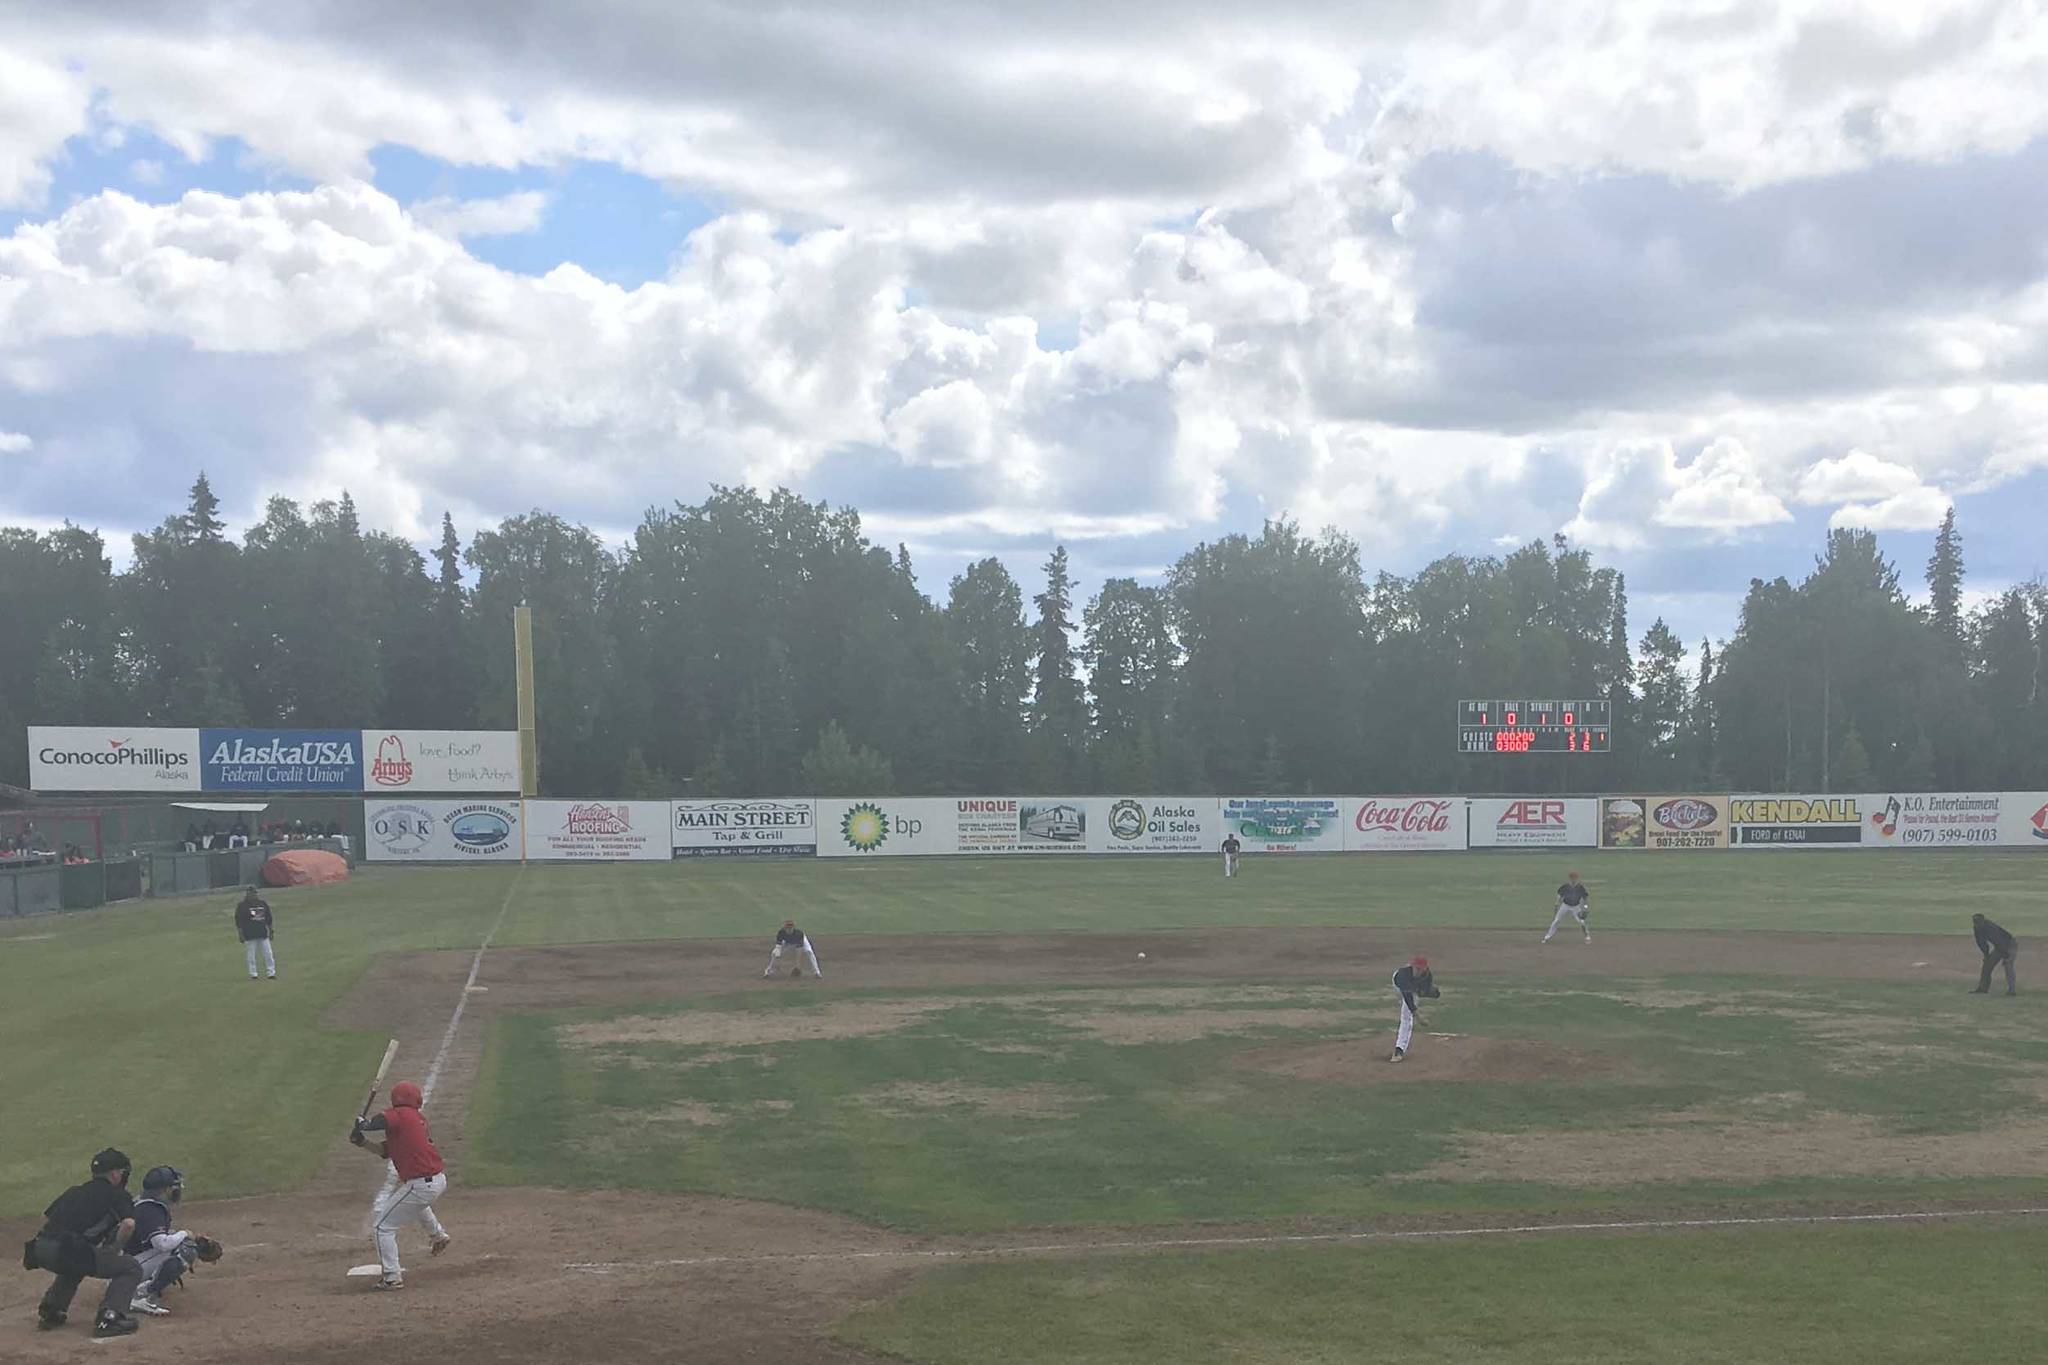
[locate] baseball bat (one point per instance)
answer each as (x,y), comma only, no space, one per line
(376,1082)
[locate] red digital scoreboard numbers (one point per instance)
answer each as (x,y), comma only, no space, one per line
(1536,726)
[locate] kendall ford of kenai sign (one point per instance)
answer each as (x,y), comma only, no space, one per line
(78,758)
(763,828)
(281,760)
(1798,822)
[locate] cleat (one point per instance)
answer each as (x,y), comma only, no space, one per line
(392,1282)
(438,1245)
(144,1303)
(1399,1053)
(114,1325)
(47,1321)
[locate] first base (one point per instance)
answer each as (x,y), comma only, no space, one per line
(371,1269)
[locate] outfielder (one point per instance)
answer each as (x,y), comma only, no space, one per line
(1410,981)
(255,925)
(792,938)
(165,1253)
(1573,901)
(421,1179)
(1231,848)
(1998,946)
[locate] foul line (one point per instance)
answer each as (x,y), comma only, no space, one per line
(476,965)
(1287,1239)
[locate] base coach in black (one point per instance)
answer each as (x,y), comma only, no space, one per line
(1997,946)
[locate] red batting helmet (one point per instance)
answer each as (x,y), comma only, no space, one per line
(1419,962)
(406,1095)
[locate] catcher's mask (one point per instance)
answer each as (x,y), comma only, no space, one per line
(406,1095)
(165,1182)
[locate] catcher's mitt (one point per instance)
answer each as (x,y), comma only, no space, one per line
(209,1250)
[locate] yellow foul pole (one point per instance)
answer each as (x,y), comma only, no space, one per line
(529,744)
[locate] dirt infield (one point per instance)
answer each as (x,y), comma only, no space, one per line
(502,1292)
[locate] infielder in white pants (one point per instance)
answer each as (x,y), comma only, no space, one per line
(792,938)
(1573,901)
(1410,981)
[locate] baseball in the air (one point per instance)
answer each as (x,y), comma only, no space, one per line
(1141,955)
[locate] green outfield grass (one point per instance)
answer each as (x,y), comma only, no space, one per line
(958,1113)
(1856,1294)
(136,1024)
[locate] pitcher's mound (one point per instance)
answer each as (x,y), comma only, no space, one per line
(1433,1058)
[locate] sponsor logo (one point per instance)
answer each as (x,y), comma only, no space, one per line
(2040,823)
(478,830)
(391,767)
(276,749)
(865,827)
(1127,820)
(1686,813)
(751,815)
(597,818)
(403,831)
(988,807)
(1795,810)
(1887,818)
(1414,817)
(1532,815)
(119,753)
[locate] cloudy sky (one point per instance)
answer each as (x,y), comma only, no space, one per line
(1689,283)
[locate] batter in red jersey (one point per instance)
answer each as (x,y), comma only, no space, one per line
(420,1178)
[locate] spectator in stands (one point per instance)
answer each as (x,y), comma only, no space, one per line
(191,838)
(298,829)
(238,837)
(334,829)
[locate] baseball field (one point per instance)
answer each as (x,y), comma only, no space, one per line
(1093,1110)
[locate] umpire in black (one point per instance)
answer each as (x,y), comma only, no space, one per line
(83,1232)
(1997,946)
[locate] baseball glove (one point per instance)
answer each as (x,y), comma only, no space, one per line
(209,1250)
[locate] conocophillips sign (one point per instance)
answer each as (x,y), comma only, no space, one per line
(77,758)
(74,758)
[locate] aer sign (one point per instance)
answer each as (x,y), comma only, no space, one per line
(1533,822)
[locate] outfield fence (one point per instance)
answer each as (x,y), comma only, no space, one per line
(511,830)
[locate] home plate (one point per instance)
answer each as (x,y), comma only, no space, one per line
(371,1269)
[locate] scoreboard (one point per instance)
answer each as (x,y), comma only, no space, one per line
(1535,726)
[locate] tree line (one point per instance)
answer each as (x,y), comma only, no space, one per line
(762,644)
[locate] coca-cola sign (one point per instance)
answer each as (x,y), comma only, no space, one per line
(1380,824)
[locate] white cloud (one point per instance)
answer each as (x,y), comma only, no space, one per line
(41,105)
(1638,490)
(14,443)
(1917,509)
(1878,494)
(1856,475)
(512,213)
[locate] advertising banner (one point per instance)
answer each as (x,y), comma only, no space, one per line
(1154,824)
(441,760)
(2024,821)
(1403,824)
(787,827)
(1664,822)
(440,831)
(281,760)
(1285,824)
(1800,822)
(881,826)
(1947,819)
(597,831)
(81,758)
(1534,822)
(1021,824)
